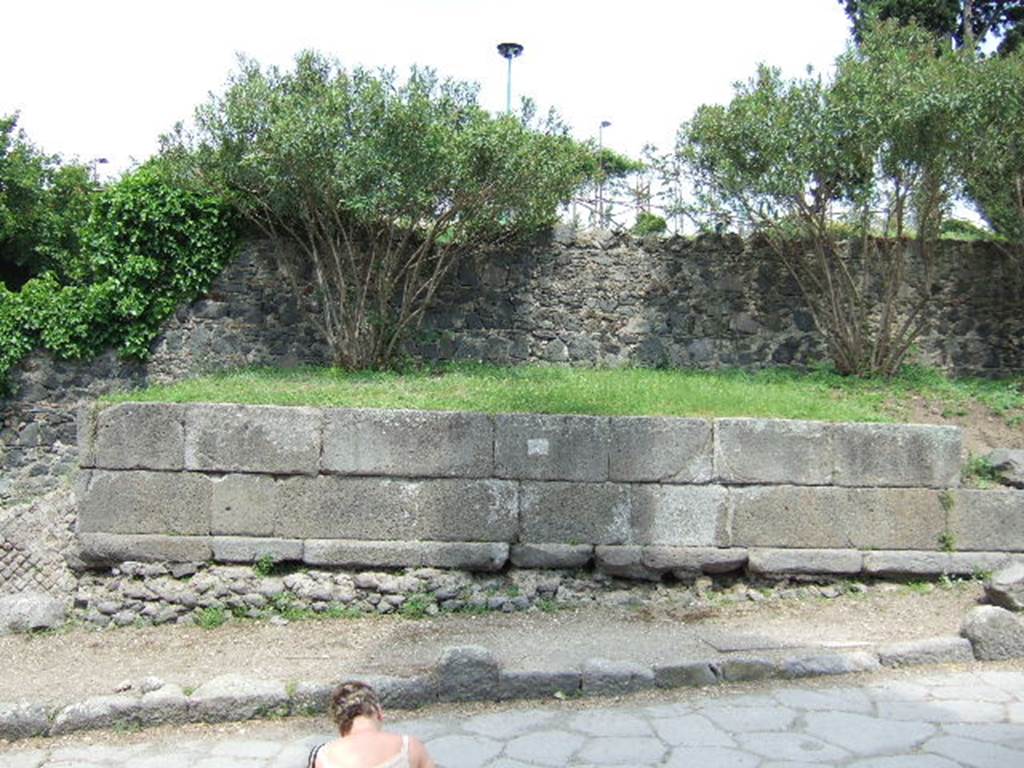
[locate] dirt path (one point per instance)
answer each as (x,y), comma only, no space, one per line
(77,663)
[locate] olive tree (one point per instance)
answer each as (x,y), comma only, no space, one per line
(373,187)
(993,166)
(848,179)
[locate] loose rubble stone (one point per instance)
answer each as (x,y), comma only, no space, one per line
(30,611)
(1006,587)
(995,633)
(1009,465)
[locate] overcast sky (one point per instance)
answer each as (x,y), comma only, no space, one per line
(105,78)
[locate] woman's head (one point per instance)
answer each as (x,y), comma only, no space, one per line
(351,700)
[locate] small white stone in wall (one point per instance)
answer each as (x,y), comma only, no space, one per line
(537,447)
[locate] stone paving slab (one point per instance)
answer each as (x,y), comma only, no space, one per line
(964,716)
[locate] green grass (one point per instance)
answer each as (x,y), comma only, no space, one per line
(818,395)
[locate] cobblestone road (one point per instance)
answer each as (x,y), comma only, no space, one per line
(935,719)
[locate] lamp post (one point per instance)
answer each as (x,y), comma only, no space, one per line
(509,51)
(600,159)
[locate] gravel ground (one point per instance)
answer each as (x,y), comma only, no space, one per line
(76,663)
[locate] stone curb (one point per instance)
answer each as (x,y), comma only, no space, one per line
(462,673)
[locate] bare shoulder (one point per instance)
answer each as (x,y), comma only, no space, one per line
(418,757)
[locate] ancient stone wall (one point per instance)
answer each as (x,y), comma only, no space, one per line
(638,497)
(587,298)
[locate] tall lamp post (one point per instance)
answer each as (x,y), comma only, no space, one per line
(600,158)
(509,51)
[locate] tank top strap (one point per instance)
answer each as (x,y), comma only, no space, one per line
(405,744)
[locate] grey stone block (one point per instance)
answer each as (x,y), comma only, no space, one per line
(244,549)
(236,438)
(625,562)
(408,443)
(995,633)
(465,555)
(403,692)
(176,503)
(575,513)
(988,520)
(977,563)
(23,721)
(244,505)
(815,665)
(96,712)
(839,518)
(602,677)
(551,555)
(672,515)
(908,455)
(110,548)
(688,562)
(537,685)
(85,428)
(1005,588)
(541,447)
(684,675)
(738,669)
(786,562)
(661,450)
(30,611)
(388,509)
(932,650)
(168,705)
(772,451)
(906,563)
(140,436)
(467,673)
(236,697)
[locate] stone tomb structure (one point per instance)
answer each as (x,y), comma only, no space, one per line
(639,497)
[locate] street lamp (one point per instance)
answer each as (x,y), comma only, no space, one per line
(509,51)
(600,159)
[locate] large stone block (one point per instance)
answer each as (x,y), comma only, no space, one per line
(794,562)
(140,436)
(575,513)
(541,447)
(385,509)
(112,548)
(995,633)
(836,518)
(896,455)
(681,516)
(624,561)
(244,505)
(688,562)
(906,563)
(175,503)
(772,451)
(988,520)
(551,555)
(660,450)
(237,438)
(408,443)
(467,673)
(463,555)
(246,549)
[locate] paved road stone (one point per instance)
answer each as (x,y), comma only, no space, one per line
(933,719)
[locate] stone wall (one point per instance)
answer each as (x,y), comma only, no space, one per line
(581,299)
(639,497)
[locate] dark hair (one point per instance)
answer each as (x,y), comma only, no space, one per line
(349,701)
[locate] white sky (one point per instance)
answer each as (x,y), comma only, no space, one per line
(105,78)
